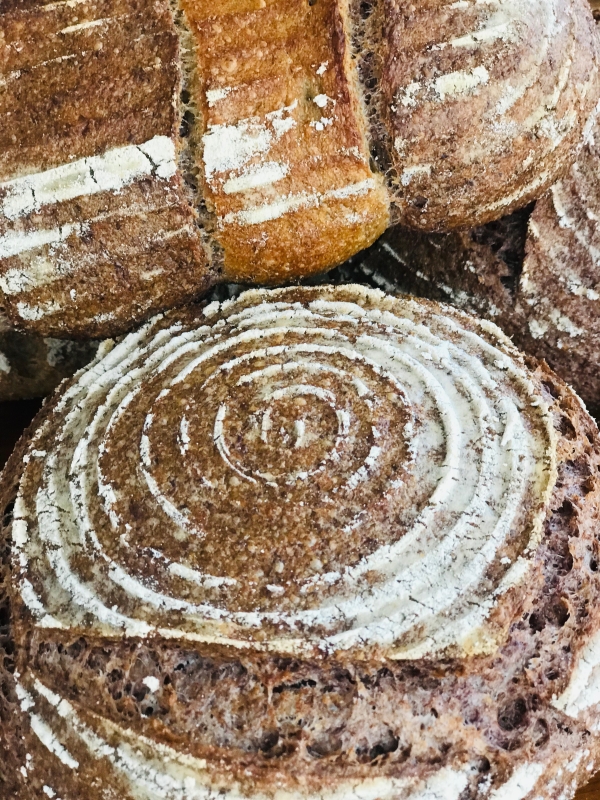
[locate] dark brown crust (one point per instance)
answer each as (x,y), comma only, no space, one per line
(117,90)
(521,280)
(33,366)
(273,719)
(142,254)
(87,78)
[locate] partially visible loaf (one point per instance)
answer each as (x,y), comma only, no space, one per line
(31,366)
(534,273)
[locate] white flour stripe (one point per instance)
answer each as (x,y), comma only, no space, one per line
(41,270)
(454,84)
(37,273)
(263,175)
(62,4)
(286,205)
(16,74)
(109,172)
(11,244)
(84,25)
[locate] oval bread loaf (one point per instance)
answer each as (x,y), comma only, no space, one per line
(310,543)
(152,149)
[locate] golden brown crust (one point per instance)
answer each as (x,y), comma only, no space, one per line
(285,158)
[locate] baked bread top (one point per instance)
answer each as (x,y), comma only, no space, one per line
(153,149)
(259,547)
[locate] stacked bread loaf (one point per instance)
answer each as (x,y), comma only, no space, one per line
(150,150)
(535,273)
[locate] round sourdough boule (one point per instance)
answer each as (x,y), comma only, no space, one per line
(308,543)
(534,273)
(153,148)
(32,366)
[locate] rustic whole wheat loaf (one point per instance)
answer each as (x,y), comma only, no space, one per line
(308,543)
(150,149)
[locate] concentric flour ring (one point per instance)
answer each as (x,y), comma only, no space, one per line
(383,466)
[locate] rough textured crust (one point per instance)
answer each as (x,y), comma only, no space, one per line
(97,228)
(533,273)
(483,103)
(509,725)
(31,366)
(284,155)
(174,144)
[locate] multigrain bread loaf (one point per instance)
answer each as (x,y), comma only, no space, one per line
(534,273)
(150,149)
(31,366)
(309,543)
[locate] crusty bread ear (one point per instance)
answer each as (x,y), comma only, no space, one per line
(153,148)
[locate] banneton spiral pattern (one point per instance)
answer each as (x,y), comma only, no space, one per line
(299,469)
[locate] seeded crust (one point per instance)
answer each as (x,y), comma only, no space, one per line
(284,721)
(264,141)
(31,366)
(533,273)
